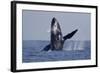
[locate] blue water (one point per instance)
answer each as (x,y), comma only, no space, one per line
(72,50)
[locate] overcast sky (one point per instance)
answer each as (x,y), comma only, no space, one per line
(36,24)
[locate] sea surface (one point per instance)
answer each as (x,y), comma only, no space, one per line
(72,50)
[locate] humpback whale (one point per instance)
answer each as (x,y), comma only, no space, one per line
(57,39)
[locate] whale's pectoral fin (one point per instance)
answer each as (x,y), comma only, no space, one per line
(46,48)
(68,36)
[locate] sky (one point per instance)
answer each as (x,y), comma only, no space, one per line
(36,24)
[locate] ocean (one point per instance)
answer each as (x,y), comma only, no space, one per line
(72,50)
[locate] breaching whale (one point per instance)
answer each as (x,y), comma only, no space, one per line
(57,39)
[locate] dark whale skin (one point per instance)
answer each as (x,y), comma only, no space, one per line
(57,39)
(56,35)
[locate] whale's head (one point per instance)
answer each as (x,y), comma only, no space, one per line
(55,26)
